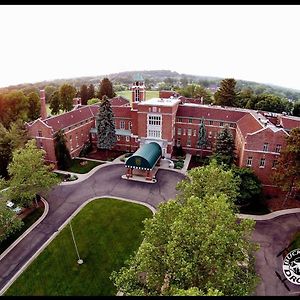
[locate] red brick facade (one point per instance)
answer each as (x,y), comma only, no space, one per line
(172,122)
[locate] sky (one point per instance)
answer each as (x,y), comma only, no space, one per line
(252,42)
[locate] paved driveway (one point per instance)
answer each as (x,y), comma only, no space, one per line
(272,235)
(65,199)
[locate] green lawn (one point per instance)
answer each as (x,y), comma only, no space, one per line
(149,94)
(28,221)
(107,232)
(77,168)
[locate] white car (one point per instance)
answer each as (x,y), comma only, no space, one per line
(9,204)
(17,210)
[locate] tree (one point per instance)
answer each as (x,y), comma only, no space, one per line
(9,222)
(224,150)
(270,102)
(209,180)
(250,186)
(245,98)
(67,93)
(93,101)
(287,175)
(49,90)
(226,94)
(106,89)
(10,139)
(62,152)
(55,103)
(196,247)
(29,175)
(296,110)
(91,91)
(195,91)
(34,106)
(202,139)
(106,132)
(84,94)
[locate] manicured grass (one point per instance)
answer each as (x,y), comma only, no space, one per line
(28,221)
(107,232)
(128,94)
(77,168)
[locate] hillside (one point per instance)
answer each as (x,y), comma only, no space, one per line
(162,79)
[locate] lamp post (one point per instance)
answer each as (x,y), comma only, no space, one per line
(79,261)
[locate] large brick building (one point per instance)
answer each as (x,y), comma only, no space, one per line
(172,120)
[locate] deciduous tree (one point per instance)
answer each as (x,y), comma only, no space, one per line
(34,110)
(55,103)
(67,93)
(106,89)
(91,91)
(199,247)
(287,175)
(29,175)
(84,94)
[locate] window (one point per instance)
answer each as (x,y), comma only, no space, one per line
(231,125)
(195,132)
(278,148)
(262,163)
(118,138)
(41,145)
(210,134)
(274,164)
(179,119)
(129,125)
(189,131)
(249,161)
(266,147)
(76,137)
(179,131)
(154,120)
(122,125)
(190,120)
(127,138)
(211,122)
(154,133)
(183,131)
(221,123)
(40,133)
(136,139)
(188,143)
(178,143)
(114,122)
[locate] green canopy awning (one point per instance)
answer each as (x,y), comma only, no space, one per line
(145,158)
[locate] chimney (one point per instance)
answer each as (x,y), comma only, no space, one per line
(201,101)
(43,105)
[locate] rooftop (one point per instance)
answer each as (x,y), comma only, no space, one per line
(161,101)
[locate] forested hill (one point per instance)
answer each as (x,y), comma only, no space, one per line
(163,79)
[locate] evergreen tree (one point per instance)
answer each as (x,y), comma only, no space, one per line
(106,89)
(62,152)
(105,125)
(84,94)
(91,92)
(55,103)
(67,93)
(224,150)
(34,110)
(296,110)
(202,139)
(226,94)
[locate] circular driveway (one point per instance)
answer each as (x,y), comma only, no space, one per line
(65,199)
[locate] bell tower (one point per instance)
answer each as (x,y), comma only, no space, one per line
(138,89)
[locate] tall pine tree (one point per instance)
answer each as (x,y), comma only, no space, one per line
(202,139)
(62,153)
(106,89)
(105,126)
(84,94)
(224,147)
(226,94)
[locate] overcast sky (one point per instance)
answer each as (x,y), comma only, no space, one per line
(256,43)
